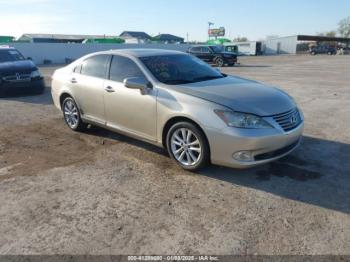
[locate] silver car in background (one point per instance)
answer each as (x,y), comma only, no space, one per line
(178,102)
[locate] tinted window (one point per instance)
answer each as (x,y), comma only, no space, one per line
(95,66)
(10,55)
(123,67)
(217,49)
(205,50)
(180,69)
(195,49)
(231,49)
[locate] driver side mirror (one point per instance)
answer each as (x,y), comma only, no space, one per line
(140,83)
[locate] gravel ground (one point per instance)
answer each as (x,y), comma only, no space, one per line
(103,193)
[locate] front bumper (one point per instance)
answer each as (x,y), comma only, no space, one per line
(230,60)
(265,145)
(22,87)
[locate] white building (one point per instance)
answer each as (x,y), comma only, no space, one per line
(285,45)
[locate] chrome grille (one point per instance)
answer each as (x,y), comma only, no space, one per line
(17,78)
(288,120)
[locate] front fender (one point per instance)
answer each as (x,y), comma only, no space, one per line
(172,104)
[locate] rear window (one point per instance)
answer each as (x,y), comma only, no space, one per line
(10,55)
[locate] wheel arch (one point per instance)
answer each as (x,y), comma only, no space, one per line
(218,56)
(176,119)
(64,95)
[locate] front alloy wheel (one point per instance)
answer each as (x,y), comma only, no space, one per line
(188,146)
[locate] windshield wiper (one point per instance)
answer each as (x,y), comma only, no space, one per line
(177,82)
(205,78)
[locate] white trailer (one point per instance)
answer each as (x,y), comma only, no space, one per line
(248,48)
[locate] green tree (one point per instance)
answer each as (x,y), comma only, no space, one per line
(344,27)
(331,33)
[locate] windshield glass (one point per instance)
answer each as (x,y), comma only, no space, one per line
(10,56)
(217,48)
(179,69)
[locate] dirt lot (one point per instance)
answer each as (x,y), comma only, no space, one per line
(103,193)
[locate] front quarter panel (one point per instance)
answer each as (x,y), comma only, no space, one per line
(171,104)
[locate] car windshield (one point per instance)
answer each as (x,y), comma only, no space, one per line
(216,49)
(10,56)
(180,69)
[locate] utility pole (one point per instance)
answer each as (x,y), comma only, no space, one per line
(209,25)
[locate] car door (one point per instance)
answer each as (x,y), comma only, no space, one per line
(128,109)
(206,54)
(87,84)
(196,51)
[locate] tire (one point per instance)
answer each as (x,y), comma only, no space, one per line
(329,53)
(190,157)
(313,53)
(219,62)
(71,115)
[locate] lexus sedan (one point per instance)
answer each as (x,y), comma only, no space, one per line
(18,75)
(177,101)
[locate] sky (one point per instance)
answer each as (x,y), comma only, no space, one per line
(254,19)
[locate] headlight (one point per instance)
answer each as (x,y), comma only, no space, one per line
(35,74)
(242,120)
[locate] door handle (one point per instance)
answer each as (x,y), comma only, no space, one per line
(109,89)
(73,81)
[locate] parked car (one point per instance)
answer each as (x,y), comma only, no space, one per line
(177,101)
(323,50)
(344,51)
(214,54)
(18,75)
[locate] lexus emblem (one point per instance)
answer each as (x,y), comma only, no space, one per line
(293,119)
(18,76)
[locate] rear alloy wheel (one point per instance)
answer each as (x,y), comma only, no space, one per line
(219,62)
(71,115)
(188,146)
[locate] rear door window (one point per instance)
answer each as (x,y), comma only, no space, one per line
(205,50)
(95,66)
(195,49)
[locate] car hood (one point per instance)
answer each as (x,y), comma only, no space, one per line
(241,95)
(17,66)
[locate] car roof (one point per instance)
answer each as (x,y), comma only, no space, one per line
(142,52)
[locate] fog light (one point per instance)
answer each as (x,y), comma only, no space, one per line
(245,156)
